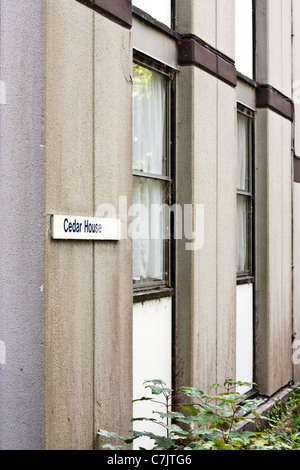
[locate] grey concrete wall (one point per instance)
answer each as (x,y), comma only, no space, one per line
(206,174)
(206,278)
(210,20)
(273,57)
(21,225)
(113,261)
(88,286)
(296,200)
(296,289)
(274,252)
(273,203)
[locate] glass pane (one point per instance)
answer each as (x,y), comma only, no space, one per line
(244,37)
(150,121)
(243,235)
(243,168)
(158,9)
(150,230)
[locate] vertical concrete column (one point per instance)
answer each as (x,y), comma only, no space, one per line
(69,265)
(296,191)
(113,193)
(273,368)
(21,228)
(206,174)
(273,201)
(273,45)
(88,172)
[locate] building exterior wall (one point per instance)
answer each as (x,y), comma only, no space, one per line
(273,226)
(88,303)
(21,225)
(296,185)
(71,330)
(273,317)
(206,174)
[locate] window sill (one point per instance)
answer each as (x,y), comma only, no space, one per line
(152,294)
(245,280)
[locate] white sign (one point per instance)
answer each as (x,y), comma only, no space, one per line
(70,227)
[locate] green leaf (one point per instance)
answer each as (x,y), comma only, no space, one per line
(176,429)
(191,409)
(155,382)
(144,419)
(142,399)
(170,415)
(164,442)
(214,386)
(239,383)
(112,447)
(104,433)
(221,445)
(296,421)
(192,392)
(156,390)
(208,418)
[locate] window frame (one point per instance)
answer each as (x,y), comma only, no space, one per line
(253,46)
(248,276)
(143,291)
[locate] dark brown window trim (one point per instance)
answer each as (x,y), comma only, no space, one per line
(118,11)
(269,97)
(296,170)
(193,51)
(152,294)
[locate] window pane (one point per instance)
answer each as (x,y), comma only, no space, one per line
(149,117)
(244,37)
(158,9)
(243,235)
(150,230)
(243,170)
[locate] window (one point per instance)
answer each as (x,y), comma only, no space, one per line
(244,37)
(151,177)
(244,193)
(158,9)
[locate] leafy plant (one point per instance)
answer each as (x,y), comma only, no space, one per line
(193,419)
(282,431)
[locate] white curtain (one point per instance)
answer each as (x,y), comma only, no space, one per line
(243,185)
(149,114)
(148,244)
(242,249)
(243,147)
(149,156)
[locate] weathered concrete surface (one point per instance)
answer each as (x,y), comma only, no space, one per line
(206,278)
(88,286)
(21,225)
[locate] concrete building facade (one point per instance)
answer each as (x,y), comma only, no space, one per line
(108,110)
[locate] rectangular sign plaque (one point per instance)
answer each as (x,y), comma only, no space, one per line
(73,227)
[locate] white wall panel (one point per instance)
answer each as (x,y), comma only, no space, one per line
(152,348)
(296,300)
(244,333)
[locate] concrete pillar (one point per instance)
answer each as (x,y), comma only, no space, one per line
(21,225)
(206,174)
